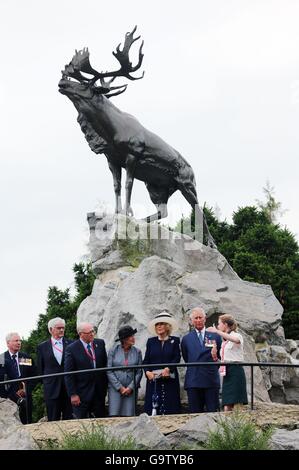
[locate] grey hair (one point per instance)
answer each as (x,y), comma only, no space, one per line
(54,321)
(10,335)
(81,325)
(198,309)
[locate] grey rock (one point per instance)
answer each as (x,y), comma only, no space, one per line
(283,439)
(123,275)
(112,260)
(195,432)
(102,231)
(281,382)
(279,375)
(110,285)
(143,430)
(291,346)
(13,434)
(260,387)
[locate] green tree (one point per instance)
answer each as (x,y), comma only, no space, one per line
(260,250)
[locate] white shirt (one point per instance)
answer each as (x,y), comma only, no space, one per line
(57,346)
(233,352)
(202,333)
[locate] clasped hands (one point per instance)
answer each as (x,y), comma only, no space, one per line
(125,391)
(165,373)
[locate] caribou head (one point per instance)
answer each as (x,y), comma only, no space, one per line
(79,78)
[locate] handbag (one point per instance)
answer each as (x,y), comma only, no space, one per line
(158,374)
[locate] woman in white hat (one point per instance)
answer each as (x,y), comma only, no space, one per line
(162,394)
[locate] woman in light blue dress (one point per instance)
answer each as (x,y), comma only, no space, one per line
(121,396)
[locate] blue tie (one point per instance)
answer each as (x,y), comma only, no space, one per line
(15,365)
(200,339)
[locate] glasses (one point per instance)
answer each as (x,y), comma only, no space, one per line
(91,332)
(59,327)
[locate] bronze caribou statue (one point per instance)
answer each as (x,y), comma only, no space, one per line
(124,141)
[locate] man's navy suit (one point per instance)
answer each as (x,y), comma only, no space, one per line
(201,382)
(9,372)
(91,387)
(56,398)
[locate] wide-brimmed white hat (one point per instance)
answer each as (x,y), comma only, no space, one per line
(163,317)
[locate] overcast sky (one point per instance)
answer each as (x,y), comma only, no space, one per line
(221,85)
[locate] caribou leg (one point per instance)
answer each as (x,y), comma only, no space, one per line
(160,214)
(130,168)
(116,173)
(159,196)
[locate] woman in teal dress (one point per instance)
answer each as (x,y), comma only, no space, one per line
(234,381)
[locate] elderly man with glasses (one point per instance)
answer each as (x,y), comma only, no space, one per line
(50,360)
(87,391)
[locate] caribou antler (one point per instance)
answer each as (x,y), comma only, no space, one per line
(123,58)
(80,63)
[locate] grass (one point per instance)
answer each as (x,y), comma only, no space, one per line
(95,439)
(238,432)
(134,251)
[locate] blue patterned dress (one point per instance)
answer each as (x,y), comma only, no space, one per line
(166,389)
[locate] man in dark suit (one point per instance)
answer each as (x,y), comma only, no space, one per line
(87,391)
(202,383)
(18,364)
(50,360)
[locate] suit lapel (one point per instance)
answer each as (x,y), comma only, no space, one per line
(50,349)
(83,352)
(65,344)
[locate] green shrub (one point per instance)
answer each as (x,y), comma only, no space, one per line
(238,432)
(95,439)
